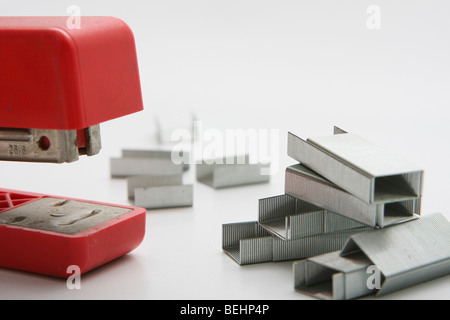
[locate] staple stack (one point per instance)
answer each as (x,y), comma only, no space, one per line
(357,179)
(154,181)
(348,206)
(354,178)
(313,217)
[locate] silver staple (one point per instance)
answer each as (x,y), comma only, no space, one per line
(164,196)
(312,245)
(158,154)
(223,172)
(135,182)
(405,254)
(249,243)
(126,167)
(290,218)
(303,183)
(358,166)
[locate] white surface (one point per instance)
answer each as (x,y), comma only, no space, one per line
(302,66)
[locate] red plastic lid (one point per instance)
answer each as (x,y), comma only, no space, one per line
(54,77)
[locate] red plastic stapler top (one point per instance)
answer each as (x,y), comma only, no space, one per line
(54,77)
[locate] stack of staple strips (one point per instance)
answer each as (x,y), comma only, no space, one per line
(287,229)
(297,224)
(356,179)
(153,179)
(349,206)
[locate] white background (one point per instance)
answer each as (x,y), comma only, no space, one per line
(300,66)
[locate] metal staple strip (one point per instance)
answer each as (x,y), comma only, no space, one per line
(306,224)
(331,277)
(230,172)
(256,250)
(135,182)
(164,196)
(371,174)
(304,183)
(249,243)
(399,212)
(312,245)
(126,167)
(295,249)
(280,206)
(274,208)
(290,218)
(404,254)
(336,222)
(237,175)
(232,233)
(158,154)
(281,215)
